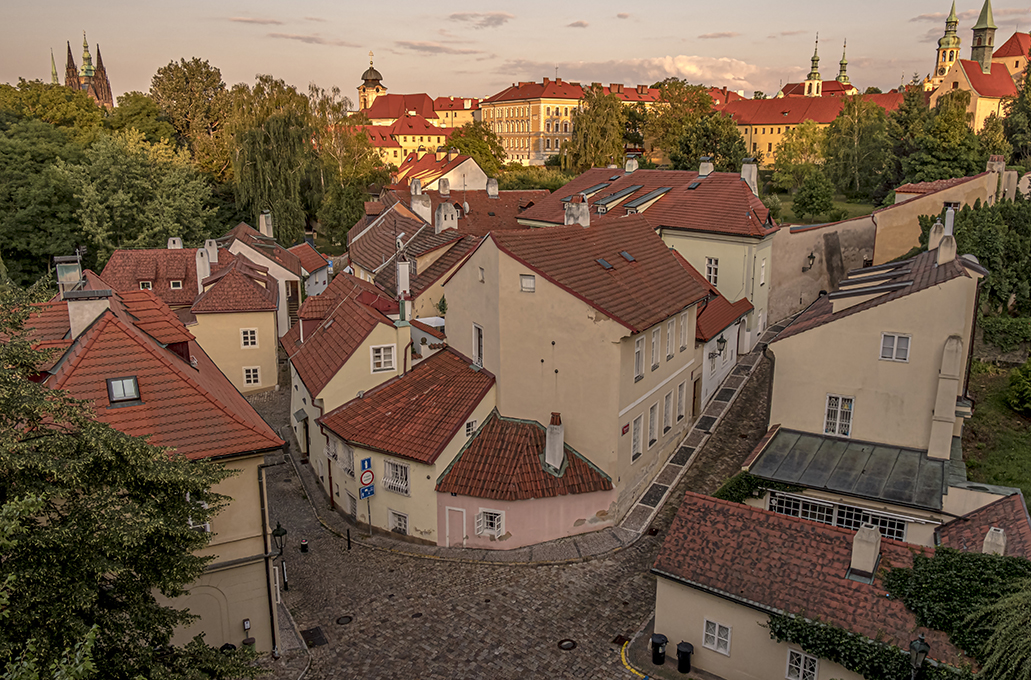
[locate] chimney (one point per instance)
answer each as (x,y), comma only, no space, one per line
(937,232)
(631,165)
(492,188)
(440,154)
(750,174)
(555,443)
(84,306)
(446,217)
(947,247)
(416,187)
(211,246)
(866,551)
(578,211)
(175,243)
(994,542)
(452,154)
(444,187)
(706,167)
(69,272)
(265,223)
(996,164)
(420,202)
(203,268)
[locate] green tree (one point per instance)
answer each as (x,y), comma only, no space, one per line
(1017,122)
(478,141)
(599,123)
(133,194)
(815,197)
(716,136)
(109,533)
(138,111)
(857,147)
(1007,651)
(799,153)
(534,177)
(55,104)
(679,106)
(759,94)
(872,90)
(905,125)
(991,139)
(947,147)
(1019,394)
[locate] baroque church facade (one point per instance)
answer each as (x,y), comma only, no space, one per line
(90,79)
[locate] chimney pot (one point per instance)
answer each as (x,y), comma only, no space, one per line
(706,167)
(492,188)
(175,243)
(631,165)
(265,224)
(211,246)
(995,542)
(935,237)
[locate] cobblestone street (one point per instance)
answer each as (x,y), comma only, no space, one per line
(425,617)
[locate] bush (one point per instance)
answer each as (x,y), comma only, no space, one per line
(1006,332)
(1019,394)
(774,205)
(837,215)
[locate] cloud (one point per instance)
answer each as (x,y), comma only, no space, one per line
(717,36)
(786,34)
(427,47)
(318,19)
(252,20)
(577,24)
(483,19)
(312,39)
(622,15)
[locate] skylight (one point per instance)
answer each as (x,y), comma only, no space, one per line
(693,185)
(622,193)
(588,192)
(603,263)
(627,256)
(647,198)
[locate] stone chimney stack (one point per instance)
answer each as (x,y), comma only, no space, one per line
(84,306)
(211,247)
(203,268)
(421,204)
(555,444)
(947,247)
(444,187)
(994,542)
(631,165)
(866,550)
(578,211)
(175,243)
(706,167)
(265,224)
(492,188)
(750,175)
(446,217)
(935,237)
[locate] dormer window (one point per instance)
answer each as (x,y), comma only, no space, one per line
(122,390)
(145,285)
(176,285)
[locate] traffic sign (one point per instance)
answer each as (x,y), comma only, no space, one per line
(366,477)
(366,463)
(367,491)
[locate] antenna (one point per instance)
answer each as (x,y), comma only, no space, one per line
(556,73)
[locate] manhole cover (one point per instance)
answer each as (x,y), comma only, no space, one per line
(314,637)
(344,620)
(416,615)
(566,645)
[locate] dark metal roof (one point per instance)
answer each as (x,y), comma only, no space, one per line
(865,469)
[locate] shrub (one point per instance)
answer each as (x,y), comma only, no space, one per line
(1019,394)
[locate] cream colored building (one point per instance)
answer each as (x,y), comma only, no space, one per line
(261,248)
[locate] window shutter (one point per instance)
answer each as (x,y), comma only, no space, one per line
(479,523)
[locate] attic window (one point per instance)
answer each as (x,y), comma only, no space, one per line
(176,285)
(145,285)
(122,390)
(603,263)
(491,214)
(527,283)
(627,256)
(693,185)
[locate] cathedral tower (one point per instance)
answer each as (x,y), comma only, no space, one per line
(813,83)
(92,81)
(371,86)
(948,49)
(984,38)
(843,66)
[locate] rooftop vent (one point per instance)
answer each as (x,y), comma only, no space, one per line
(603,263)
(627,256)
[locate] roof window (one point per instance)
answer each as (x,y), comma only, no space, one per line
(603,263)
(176,285)
(122,390)
(627,256)
(145,285)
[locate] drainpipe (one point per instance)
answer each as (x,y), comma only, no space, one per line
(268,556)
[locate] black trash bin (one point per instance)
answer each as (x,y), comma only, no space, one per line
(659,643)
(304,545)
(684,652)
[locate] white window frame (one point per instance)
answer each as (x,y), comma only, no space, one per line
(247,380)
(671,331)
(206,526)
(470,428)
(711,640)
(490,522)
(478,344)
(397,477)
(712,270)
(175,285)
(146,285)
(249,342)
(638,359)
(527,283)
(636,449)
(683,331)
(834,428)
(383,360)
(398,520)
(656,347)
(653,424)
(762,272)
(667,412)
(849,517)
(800,672)
(114,398)
(895,337)
(681,401)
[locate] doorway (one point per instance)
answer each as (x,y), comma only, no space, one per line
(696,402)
(455,528)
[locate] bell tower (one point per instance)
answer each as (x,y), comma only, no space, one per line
(813,83)
(843,66)
(948,49)
(984,38)
(371,87)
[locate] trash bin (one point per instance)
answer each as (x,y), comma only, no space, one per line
(684,652)
(249,643)
(659,643)
(304,545)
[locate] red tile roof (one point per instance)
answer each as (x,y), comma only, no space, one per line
(374,246)
(394,106)
(1009,514)
(415,415)
(426,169)
(561,89)
(637,294)
(425,328)
(996,84)
(485,214)
(721,96)
(504,461)
(830,88)
(48,321)
(456,104)
(794,110)
(268,247)
(419,125)
(240,287)
(1018,45)
(718,313)
(931,187)
(719,203)
(457,249)
(127,268)
(311,259)
(379,136)
(781,564)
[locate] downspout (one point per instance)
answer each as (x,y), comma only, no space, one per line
(268,556)
(973,333)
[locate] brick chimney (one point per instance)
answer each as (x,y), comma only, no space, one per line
(866,551)
(555,443)
(994,542)
(578,211)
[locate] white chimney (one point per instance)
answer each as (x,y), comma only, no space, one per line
(175,243)
(866,548)
(555,443)
(446,217)
(937,232)
(211,246)
(84,306)
(416,187)
(421,205)
(203,268)
(444,187)
(947,247)
(750,175)
(706,167)
(492,188)
(994,542)
(404,278)
(265,223)
(578,211)
(631,165)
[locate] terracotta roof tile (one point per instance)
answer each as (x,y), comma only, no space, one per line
(426,169)
(485,214)
(375,244)
(1009,513)
(1018,45)
(127,268)
(996,84)
(456,104)
(237,288)
(425,328)
(830,88)
(311,259)
(795,110)
(394,106)
(931,187)
(48,321)
(458,246)
(504,461)
(416,415)
(247,234)
(561,89)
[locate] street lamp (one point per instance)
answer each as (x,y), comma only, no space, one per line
(721,346)
(811,259)
(279,535)
(918,650)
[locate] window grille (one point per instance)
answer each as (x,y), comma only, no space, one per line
(656,341)
(801,666)
(671,327)
(653,423)
(681,401)
(837,514)
(839,415)
(712,269)
(395,477)
(894,347)
(717,637)
(638,359)
(383,358)
(490,523)
(470,428)
(667,413)
(399,523)
(252,376)
(249,337)
(635,444)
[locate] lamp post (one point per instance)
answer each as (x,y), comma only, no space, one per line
(721,346)
(918,650)
(811,259)
(279,537)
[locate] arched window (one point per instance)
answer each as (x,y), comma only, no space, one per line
(547,143)
(978,42)
(952,56)
(565,127)
(944,56)
(567,110)
(548,110)
(547,127)
(809,88)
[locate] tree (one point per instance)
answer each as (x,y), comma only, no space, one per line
(1007,651)
(857,147)
(599,124)
(799,153)
(716,136)
(679,105)
(55,104)
(815,197)
(1018,118)
(478,141)
(138,111)
(872,90)
(946,147)
(110,530)
(905,125)
(133,194)
(759,94)
(991,139)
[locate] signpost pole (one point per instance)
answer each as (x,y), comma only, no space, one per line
(368,507)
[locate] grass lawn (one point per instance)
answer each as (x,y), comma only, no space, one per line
(997,440)
(853,210)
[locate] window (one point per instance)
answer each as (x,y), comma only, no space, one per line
(671,327)
(653,424)
(145,285)
(635,443)
(383,358)
(352,505)
(480,275)
(801,666)
(252,375)
(548,110)
(204,527)
(565,127)
(470,428)
(762,272)
(249,337)
(894,347)
(547,143)
(527,283)
(655,348)
(175,285)
(477,345)
(683,331)
(547,127)
(122,389)
(769,147)
(399,523)
(681,401)
(712,269)
(716,637)
(395,477)
(667,413)
(490,522)
(336,489)
(839,415)
(836,514)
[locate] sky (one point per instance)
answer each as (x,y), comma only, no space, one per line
(466,49)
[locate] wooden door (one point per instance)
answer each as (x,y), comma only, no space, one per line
(696,402)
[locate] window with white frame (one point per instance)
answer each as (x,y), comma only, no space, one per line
(395,477)
(249,337)
(681,401)
(175,285)
(837,514)
(894,347)
(635,439)
(252,375)
(352,505)
(477,345)
(801,666)
(712,269)
(198,526)
(716,637)
(653,423)
(527,283)
(470,428)
(667,412)
(145,285)
(838,419)
(383,358)
(490,522)
(683,331)
(638,359)
(656,341)
(671,328)
(122,389)
(399,523)
(762,272)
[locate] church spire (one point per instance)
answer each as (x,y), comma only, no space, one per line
(87,60)
(814,74)
(843,66)
(984,38)
(53,69)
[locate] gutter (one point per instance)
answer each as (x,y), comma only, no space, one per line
(267,557)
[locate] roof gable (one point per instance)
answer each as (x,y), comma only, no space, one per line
(237,288)
(996,84)
(1018,45)
(311,260)
(1009,514)
(160,266)
(267,247)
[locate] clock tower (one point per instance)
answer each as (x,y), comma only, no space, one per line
(948,49)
